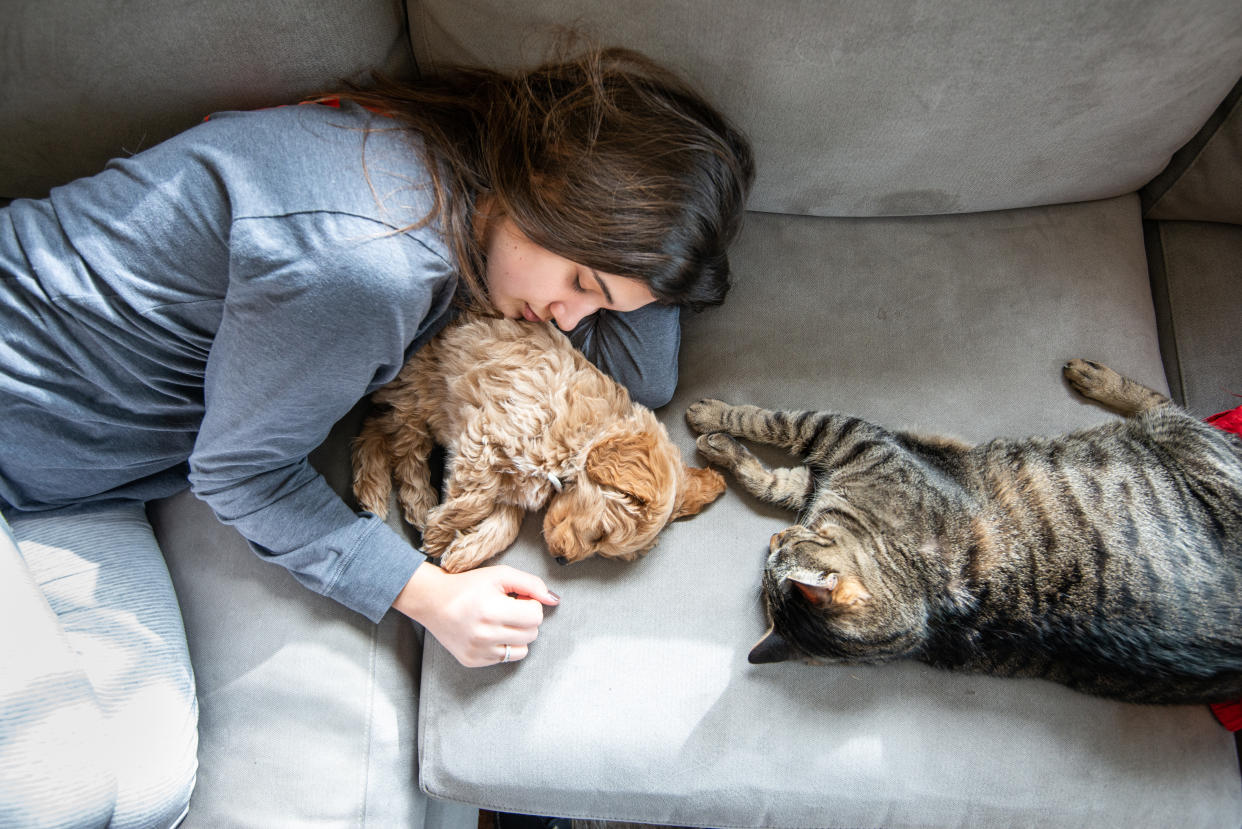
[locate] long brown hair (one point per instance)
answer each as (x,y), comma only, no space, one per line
(605,158)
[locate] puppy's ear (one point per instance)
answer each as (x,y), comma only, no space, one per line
(624,463)
(702,486)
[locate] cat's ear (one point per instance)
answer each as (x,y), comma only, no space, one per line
(772,648)
(828,590)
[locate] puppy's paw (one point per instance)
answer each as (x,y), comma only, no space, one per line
(372,497)
(415,506)
(707,415)
(437,536)
(721,449)
(463,553)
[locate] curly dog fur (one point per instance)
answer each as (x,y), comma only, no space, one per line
(527,421)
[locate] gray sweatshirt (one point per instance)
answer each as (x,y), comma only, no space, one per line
(210,307)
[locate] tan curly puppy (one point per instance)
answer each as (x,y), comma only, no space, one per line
(527,421)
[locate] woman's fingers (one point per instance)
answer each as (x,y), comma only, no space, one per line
(519,614)
(476,614)
(512,653)
(524,585)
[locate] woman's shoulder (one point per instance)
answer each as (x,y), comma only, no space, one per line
(315,157)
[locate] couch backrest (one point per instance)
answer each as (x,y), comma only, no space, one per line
(889,107)
(81,83)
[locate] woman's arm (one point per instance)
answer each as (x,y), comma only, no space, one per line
(320,308)
(637,348)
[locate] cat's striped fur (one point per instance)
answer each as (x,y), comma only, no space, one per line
(1108,559)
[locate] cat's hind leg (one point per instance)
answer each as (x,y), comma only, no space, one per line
(788,488)
(1119,394)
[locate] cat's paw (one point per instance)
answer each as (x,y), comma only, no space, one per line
(707,416)
(1094,380)
(721,449)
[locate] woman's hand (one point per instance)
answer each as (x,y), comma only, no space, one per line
(473,615)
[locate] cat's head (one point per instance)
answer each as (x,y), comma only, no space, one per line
(830,599)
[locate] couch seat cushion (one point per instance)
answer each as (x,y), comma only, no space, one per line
(637,701)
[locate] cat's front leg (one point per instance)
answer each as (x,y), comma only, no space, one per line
(708,416)
(788,488)
(793,431)
(745,421)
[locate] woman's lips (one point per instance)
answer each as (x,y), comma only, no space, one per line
(530,315)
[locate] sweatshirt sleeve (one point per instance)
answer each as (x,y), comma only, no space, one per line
(638,349)
(320,309)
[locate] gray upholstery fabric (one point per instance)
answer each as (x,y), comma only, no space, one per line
(81,84)
(861,108)
(307,710)
(1203,182)
(1197,275)
(637,701)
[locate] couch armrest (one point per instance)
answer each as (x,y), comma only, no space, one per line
(1203,181)
(1193,229)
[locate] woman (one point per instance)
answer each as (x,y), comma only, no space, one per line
(206,310)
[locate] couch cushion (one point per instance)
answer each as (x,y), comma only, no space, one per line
(81,83)
(1198,286)
(861,109)
(637,701)
(307,710)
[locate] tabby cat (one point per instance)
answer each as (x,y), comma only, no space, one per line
(1109,559)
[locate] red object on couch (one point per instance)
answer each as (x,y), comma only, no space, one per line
(1230,421)
(1229,713)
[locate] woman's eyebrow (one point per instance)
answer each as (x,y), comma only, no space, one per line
(602,286)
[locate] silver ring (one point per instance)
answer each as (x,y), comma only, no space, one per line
(508,653)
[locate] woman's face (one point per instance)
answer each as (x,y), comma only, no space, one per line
(526,281)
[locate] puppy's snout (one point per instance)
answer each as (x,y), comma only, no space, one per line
(562,560)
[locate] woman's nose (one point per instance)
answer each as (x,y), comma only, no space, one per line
(568,313)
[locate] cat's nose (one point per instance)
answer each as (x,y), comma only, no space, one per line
(776,541)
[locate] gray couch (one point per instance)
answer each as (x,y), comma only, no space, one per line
(953,198)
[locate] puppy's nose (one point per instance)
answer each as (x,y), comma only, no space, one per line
(561,560)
